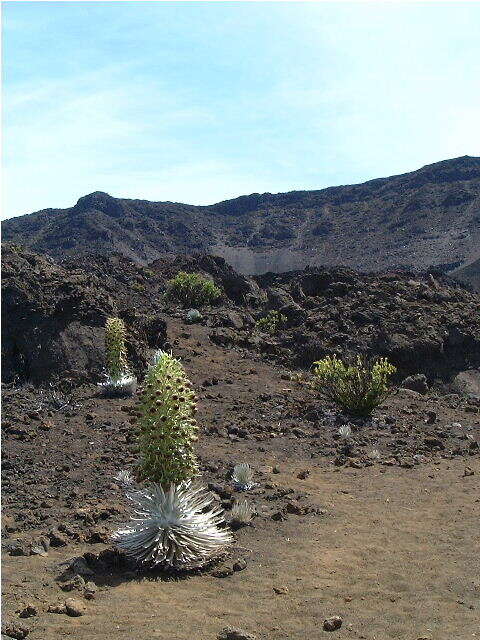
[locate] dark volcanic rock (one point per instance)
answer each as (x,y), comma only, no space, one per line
(54,317)
(416,383)
(413,219)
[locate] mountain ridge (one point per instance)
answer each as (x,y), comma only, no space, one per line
(426,218)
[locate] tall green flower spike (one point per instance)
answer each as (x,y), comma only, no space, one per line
(119,380)
(116,353)
(167,426)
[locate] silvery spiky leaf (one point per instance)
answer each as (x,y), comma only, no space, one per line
(242,476)
(124,478)
(123,386)
(345,431)
(157,356)
(175,528)
(242,512)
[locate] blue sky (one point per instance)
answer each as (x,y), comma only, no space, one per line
(202,101)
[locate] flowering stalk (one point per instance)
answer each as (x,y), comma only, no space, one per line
(167,427)
(116,353)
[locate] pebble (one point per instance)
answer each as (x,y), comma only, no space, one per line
(333,623)
(232,633)
(29,611)
(240,565)
(57,539)
(75,607)
(15,630)
(281,590)
(224,572)
(90,590)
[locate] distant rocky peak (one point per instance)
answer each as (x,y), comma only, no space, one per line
(99,201)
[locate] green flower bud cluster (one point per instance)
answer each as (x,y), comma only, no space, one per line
(271,322)
(167,425)
(116,354)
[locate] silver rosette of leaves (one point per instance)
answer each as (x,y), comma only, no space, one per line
(176,527)
(242,477)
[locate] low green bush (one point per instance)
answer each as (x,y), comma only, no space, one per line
(192,289)
(272,322)
(356,388)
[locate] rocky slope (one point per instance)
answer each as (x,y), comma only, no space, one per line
(418,219)
(53,315)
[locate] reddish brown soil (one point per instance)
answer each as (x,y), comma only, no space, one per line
(390,545)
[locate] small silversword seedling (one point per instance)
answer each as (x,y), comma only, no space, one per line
(175,527)
(193,316)
(124,478)
(242,476)
(166,423)
(119,381)
(345,431)
(241,513)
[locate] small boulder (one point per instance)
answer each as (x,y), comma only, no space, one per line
(57,539)
(232,633)
(240,565)
(417,383)
(333,623)
(467,383)
(90,590)
(75,607)
(29,611)
(57,608)
(223,572)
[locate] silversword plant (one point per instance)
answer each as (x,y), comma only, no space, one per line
(167,429)
(174,524)
(345,431)
(242,512)
(119,381)
(175,527)
(242,476)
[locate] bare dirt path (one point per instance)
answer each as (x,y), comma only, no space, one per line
(396,555)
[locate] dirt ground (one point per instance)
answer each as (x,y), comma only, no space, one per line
(389,544)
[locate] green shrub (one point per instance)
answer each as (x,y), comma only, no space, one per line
(192,289)
(272,322)
(356,388)
(115,351)
(167,428)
